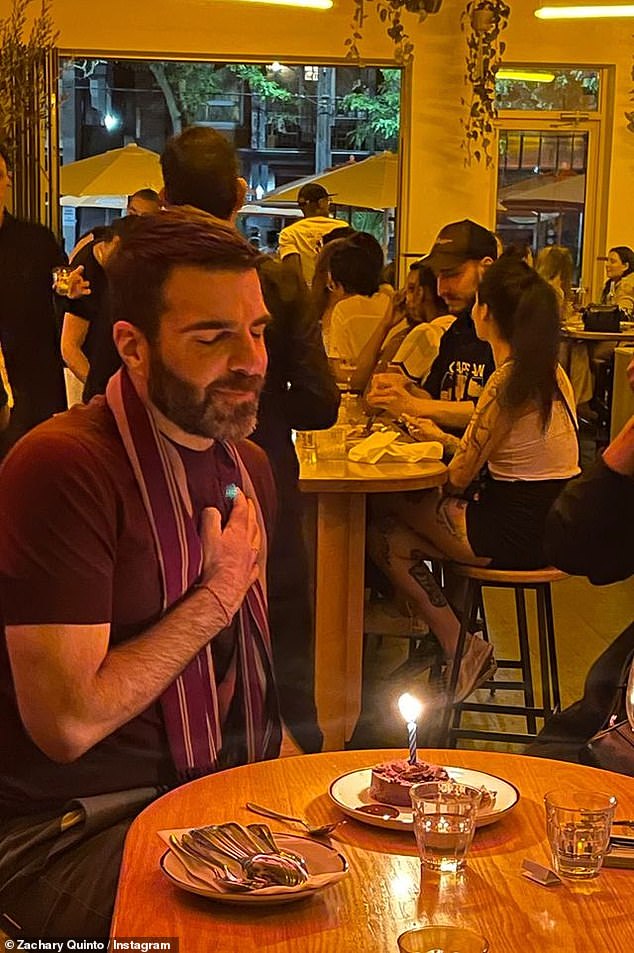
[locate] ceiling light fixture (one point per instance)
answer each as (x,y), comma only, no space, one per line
(594,12)
(315,4)
(525,75)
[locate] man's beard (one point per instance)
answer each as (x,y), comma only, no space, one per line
(214,415)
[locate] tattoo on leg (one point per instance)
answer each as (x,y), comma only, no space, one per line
(385,526)
(421,574)
(443,519)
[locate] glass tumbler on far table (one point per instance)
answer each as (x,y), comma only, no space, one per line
(442,939)
(578,825)
(445,815)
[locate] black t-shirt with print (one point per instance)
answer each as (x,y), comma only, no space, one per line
(463,365)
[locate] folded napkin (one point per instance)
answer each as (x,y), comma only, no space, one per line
(384,446)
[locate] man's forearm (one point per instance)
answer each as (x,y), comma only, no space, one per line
(619,456)
(445,413)
(94,689)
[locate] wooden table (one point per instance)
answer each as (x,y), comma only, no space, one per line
(574,334)
(383,894)
(340,488)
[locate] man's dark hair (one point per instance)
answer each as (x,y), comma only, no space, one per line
(154,246)
(149,195)
(200,169)
(356,264)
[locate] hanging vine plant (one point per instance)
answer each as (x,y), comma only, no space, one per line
(630,116)
(389,13)
(482,22)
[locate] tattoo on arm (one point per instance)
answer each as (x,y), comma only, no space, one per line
(422,575)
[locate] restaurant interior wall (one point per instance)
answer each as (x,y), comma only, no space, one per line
(436,185)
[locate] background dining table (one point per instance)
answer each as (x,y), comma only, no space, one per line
(383,894)
(339,489)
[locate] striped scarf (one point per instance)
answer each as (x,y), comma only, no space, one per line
(190,703)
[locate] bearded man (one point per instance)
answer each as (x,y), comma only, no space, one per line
(135,651)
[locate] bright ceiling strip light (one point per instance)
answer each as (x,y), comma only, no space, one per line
(315,4)
(585,13)
(525,75)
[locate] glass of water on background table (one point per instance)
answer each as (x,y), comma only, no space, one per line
(445,815)
(578,825)
(442,939)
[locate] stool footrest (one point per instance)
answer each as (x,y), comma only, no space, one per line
(510,686)
(519,710)
(498,736)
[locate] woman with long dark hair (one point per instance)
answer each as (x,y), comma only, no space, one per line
(523,433)
(619,288)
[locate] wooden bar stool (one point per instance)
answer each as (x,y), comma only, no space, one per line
(539,580)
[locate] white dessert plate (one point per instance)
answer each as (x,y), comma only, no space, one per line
(352,791)
(325,865)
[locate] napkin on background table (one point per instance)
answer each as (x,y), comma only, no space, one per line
(384,446)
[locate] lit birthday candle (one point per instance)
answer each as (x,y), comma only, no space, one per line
(410,708)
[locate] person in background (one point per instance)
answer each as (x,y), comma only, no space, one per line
(459,258)
(521,250)
(355,267)
(524,432)
(589,533)
(323,299)
(143,202)
(408,337)
(200,171)
(554,264)
(87,346)
(619,288)
(28,327)
(131,585)
(301,241)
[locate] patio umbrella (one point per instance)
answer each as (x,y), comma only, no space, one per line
(370,183)
(545,192)
(117,172)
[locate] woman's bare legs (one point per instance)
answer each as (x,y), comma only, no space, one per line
(406,529)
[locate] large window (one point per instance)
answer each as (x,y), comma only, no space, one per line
(550,154)
(286,121)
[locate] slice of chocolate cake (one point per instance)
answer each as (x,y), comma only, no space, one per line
(391,782)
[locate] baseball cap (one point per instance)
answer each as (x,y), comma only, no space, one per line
(459,242)
(312,192)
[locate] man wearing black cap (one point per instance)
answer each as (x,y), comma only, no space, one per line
(301,241)
(460,255)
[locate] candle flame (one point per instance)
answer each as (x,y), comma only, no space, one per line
(409,707)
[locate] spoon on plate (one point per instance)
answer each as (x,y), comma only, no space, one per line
(320,831)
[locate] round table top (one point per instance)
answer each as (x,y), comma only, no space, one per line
(345,476)
(579,334)
(383,894)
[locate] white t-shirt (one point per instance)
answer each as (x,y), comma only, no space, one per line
(419,349)
(304,237)
(354,320)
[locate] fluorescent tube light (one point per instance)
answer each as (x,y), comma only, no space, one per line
(315,4)
(585,13)
(525,75)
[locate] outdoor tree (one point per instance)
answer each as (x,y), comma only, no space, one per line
(379,112)
(186,88)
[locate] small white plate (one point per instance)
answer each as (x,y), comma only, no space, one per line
(325,865)
(352,791)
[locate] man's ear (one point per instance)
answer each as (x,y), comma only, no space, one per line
(163,199)
(132,345)
(241,193)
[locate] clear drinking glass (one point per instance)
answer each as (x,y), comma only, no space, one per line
(61,279)
(629,697)
(442,939)
(578,825)
(445,815)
